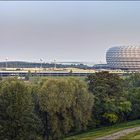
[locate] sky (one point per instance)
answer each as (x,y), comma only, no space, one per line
(66,31)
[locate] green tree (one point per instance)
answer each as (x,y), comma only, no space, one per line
(110,99)
(134,97)
(132,81)
(132,86)
(17,118)
(70,73)
(66,106)
(28,75)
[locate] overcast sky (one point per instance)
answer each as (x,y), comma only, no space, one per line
(66,31)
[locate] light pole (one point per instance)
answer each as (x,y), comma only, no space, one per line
(40,65)
(54,64)
(41,60)
(1,72)
(6,62)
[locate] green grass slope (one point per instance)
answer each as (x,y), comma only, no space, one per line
(95,133)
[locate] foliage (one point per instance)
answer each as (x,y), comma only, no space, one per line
(17,118)
(64,103)
(28,75)
(134,97)
(45,109)
(109,97)
(21,64)
(110,117)
(70,73)
(132,86)
(132,81)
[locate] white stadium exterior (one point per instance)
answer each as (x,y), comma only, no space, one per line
(124,57)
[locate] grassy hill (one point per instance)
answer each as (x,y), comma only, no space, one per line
(95,133)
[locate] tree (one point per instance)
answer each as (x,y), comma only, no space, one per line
(28,75)
(70,73)
(64,103)
(133,80)
(110,101)
(132,86)
(134,97)
(17,118)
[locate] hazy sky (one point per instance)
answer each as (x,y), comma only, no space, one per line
(66,31)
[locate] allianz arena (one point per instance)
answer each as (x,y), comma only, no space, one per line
(124,57)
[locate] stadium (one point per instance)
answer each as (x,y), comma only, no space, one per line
(123,57)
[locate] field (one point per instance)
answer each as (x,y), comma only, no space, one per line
(95,133)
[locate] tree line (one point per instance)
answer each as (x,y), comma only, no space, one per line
(22,64)
(54,108)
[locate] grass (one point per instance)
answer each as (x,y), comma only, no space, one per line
(131,136)
(95,133)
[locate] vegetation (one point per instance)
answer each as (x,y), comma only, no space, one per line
(111,104)
(48,110)
(53,108)
(22,64)
(17,117)
(63,105)
(103,131)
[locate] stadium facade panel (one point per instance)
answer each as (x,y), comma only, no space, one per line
(123,57)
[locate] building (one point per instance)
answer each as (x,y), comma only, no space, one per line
(124,57)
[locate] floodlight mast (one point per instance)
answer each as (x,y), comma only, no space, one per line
(6,62)
(41,60)
(54,63)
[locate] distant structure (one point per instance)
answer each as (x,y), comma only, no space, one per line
(54,63)
(6,62)
(41,60)
(124,57)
